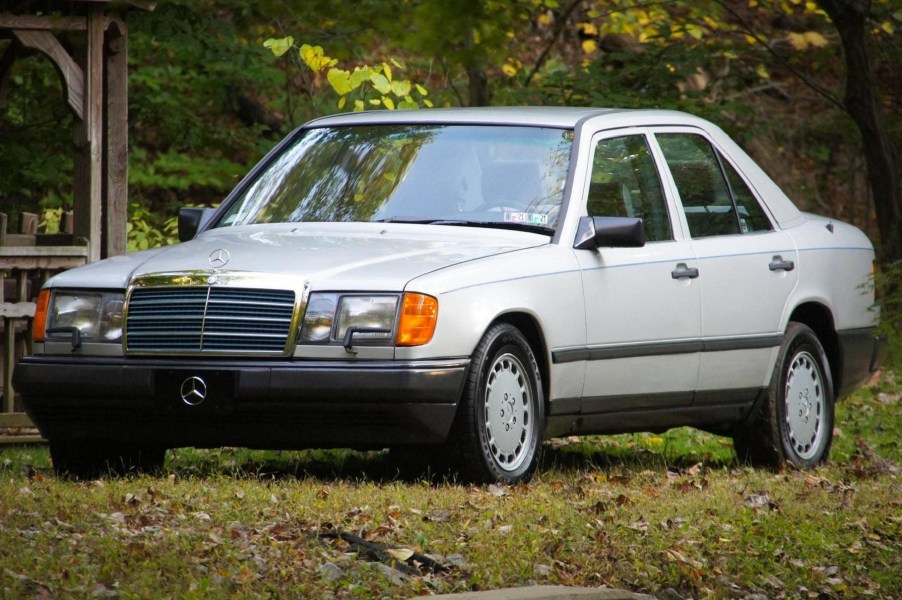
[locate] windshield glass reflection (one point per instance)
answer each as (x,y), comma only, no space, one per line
(413,173)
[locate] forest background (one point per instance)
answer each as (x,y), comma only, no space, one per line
(215,84)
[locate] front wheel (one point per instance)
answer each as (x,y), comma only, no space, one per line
(795,423)
(498,432)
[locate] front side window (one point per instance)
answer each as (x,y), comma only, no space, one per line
(413,173)
(625,183)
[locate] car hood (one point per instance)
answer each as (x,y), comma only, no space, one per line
(331,256)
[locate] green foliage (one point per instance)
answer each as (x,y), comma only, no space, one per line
(889,298)
(213,86)
(365,85)
(145,231)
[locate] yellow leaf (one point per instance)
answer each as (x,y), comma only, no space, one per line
(887,27)
(545,19)
(694,30)
(589,46)
(315,58)
(388,102)
(815,39)
(381,83)
(400,554)
(427,102)
(339,80)
(422,91)
(589,29)
(341,102)
(279,46)
(762,72)
(750,39)
(509,69)
(359,106)
(797,40)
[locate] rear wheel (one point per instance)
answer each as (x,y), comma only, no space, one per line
(795,423)
(91,459)
(498,432)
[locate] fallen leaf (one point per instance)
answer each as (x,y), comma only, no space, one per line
(400,554)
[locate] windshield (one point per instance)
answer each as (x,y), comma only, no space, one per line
(451,174)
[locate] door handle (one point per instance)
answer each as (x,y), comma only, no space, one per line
(778,264)
(682,271)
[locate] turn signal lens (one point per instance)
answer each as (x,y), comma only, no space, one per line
(40,316)
(419,314)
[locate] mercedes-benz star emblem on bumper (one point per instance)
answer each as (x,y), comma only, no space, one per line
(194,391)
(219,258)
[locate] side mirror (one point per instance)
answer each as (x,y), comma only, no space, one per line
(610,232)
(191,219)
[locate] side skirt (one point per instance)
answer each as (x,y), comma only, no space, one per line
(716,411)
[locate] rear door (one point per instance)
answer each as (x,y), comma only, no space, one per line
(747,267)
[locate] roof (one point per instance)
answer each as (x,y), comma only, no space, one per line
(543,116)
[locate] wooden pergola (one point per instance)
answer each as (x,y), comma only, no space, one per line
(95,86)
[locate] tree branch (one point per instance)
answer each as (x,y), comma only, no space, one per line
(559,27)
(824,93)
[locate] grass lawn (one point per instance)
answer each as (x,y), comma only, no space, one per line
(642,512)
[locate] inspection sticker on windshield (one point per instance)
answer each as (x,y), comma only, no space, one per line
(524,217)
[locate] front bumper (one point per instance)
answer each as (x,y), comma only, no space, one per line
(258,404)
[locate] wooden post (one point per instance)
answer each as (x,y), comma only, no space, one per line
(89,142)
(115,196)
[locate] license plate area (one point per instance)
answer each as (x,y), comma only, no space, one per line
(195,392)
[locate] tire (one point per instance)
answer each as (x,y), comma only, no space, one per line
(497,435)
(89,460)
(795,422)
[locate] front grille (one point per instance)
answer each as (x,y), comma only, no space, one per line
(208,319)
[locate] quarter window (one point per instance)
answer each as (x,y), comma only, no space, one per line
(751,216)
(625,183)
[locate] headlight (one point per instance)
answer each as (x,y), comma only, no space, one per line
(319,318)
(97,315)
(367,312)
(330,316)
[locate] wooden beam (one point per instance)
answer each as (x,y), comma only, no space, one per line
(115,205)
(71,74)
(43,23)
(14,419)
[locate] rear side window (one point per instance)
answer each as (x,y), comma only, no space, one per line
(715,198)
(751,216)
(625,183)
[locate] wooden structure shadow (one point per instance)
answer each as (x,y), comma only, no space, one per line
(94,81)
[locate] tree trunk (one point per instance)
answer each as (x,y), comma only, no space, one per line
(850,19)
(478,86)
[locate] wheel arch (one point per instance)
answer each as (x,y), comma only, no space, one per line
(819,318)
(531,329)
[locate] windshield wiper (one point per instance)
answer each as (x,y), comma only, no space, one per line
(403,219)
(464,223)
(497,225)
